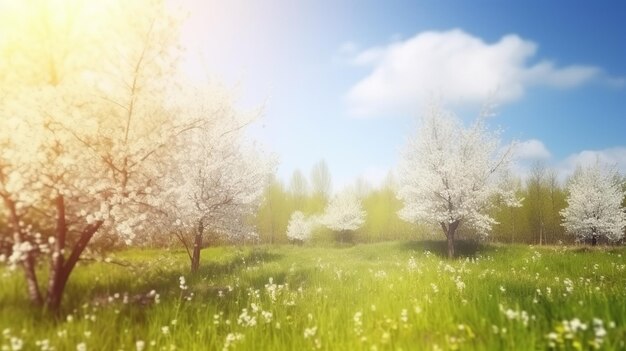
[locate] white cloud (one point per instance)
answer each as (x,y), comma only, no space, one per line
(529,153)
(532,150)
(348,48)
(369,57)
(612,156)
(459,68)
(567,77)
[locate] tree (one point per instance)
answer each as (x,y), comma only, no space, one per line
(321,180)
(594,204)
(624,187)
(382,222)
(557,203)
(361,187)
(85,127)
(273,214)
(299,188)
(300,228)
(510,224)
(218,178)
(344,214)
(537,188)
(449,174)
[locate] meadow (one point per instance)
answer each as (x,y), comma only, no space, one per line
(385,296)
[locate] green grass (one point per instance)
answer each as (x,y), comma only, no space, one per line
(398,295)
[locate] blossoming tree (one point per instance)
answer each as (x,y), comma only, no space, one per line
(594,204)
(299,228)
(85,127)
(344,214)
(450,174)
(219,177)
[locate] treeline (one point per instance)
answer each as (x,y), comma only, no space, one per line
(537,221)
(381,205)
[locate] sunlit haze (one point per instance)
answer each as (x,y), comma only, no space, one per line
(312,175)
(345,81)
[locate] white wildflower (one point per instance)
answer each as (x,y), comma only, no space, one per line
(140,345)
(310,332)
(182,284)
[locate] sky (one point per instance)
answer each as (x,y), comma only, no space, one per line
(345,81)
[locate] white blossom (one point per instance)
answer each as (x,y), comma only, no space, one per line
(594,204)
(140,345)
(299,227)
(75,134)
(449,174)
(344,213)
(217,179)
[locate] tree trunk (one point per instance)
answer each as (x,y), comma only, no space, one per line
(513,225)
(197,246)
(594,240)
(60,273)
(269,200)
(28,264)
(449,230)
(451,245)
(55,287)
(34,295)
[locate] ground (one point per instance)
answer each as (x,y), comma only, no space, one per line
(398,295)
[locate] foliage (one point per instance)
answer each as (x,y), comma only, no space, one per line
(449,174)
(217,179)
(299,186)
(281,201)
(344,213)
(300,228)
(321,180)
(84,126)
(537,220)
(273,214)
(594,204)
(382,222)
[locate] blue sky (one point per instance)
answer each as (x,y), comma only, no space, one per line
(344,80)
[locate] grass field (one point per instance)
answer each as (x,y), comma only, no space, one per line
(399,295)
